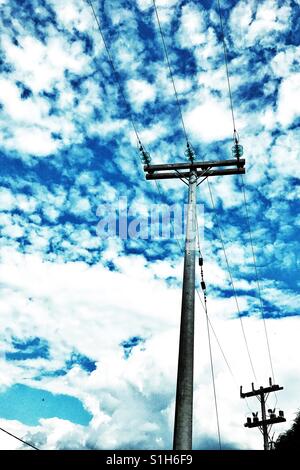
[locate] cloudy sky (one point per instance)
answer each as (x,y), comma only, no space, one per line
(89,324)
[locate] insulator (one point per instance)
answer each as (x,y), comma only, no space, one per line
(145,156)
(203,286)
(200,261)
(190,153)
(237,151)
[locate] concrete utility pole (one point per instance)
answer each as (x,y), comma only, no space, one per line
(185,373)
(265,423)
(189,173)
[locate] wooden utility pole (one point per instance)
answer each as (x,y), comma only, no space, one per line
(264,424)
(192,174)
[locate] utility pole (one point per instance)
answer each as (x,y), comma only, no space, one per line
(264,424)
(192,174)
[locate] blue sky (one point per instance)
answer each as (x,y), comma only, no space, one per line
(92,322)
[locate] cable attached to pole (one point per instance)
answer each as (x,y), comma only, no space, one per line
(203,286)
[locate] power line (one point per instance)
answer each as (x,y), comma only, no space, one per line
(244,194)
(257,280)
(226,67)
(170,71)
(19,439)
(232,283)
(115,74)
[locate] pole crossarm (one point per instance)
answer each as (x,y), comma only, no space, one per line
(170,170)
(268,422)
(188,166)
(259,391)
(165,176)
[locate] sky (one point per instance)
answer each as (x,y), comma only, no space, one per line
(89,321)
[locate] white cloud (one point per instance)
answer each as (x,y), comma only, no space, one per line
(153,133)
(249,26)
(7,200)
(286,61)
(285,156)
(33,141)
(74,14)
(209,121)
(193,28)
(140,92)
(81,206)
(289,96)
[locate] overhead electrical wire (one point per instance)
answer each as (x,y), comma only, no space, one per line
(19,439)
(236,138)
(115,74)
(170,71)
(226,67)
(232,283)
(257,281)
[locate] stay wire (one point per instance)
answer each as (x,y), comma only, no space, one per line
(226,66)
(19,439)
(115,73)
(232,284)
(170,71)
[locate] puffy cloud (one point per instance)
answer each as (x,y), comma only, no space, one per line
(289,95)
(140,92)
(214,118)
